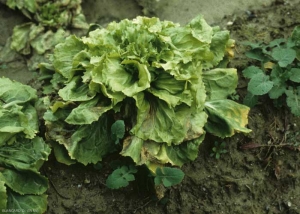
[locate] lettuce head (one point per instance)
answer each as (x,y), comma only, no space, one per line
(165,81)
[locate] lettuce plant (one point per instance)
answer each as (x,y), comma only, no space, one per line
(166,82)
(49,20)
(22,187)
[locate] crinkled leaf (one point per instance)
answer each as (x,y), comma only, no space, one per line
(11,91)
(168,176)
(26,202)
(16,119)
(76,91)
(87,112)
(89,143)
(220,82)
(121,177)
(150,152)
(23,35)
(225,117)
(47,40)
(25,154)
(64,54)
(24,182)
(157,121)
(260,84)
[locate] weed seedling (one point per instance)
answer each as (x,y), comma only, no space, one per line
(218,149)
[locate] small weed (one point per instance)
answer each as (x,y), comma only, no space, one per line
(279,72)
(218,149)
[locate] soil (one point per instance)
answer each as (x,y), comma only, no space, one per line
(258,174)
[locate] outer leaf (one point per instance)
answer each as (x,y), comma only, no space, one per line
(121,177)
(37,203)
(25,154)
(226,117)
(3,195)
(25,182)
(61,154)
(260,84)
(11,91)
(168,176)
(220,82)
(89,143)
(149,152)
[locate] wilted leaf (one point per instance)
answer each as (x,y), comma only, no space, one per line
(226,117)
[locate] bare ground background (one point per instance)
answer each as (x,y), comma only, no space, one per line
(244,180)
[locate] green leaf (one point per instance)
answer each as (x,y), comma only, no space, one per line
(293,100)
(284,56)
(61,154)
(295,75)
(120,177)
(260,84)
(118,130)
(250,100)
(220,82)
(159,122)
(64,53)
(168,176)
(12,92)
(25,182)
(296,35)
(31,203)
(225,117)
(251,71)
(3,195)
(256,54)
(276,42)
(25,154)
(88,143)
